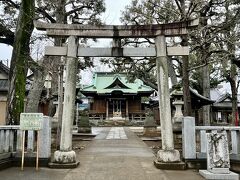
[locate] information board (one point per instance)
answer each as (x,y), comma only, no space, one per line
(31,121)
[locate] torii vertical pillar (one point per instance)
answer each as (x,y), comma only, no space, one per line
(66,156)
(167,156)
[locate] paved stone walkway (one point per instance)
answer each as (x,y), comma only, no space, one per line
(107,159)
(117,133)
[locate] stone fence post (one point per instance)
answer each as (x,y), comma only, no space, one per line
(45,138)
(188,138)
(235,136)
(203,141)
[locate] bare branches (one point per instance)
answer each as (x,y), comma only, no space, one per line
(6,35)
(202,65)
(11,3)
(41,11)
(77,9)
(178,5)
(7,41)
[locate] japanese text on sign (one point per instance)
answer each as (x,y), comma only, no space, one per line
(31,121)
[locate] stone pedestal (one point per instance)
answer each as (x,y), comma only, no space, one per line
(64,159)
(83,124)
(150,131)
(218,162)
(170,165)
(168,156)
(209,175)
(169,159)
(149,127)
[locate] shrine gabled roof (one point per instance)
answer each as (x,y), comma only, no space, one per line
(225,97)
(201,100)
(108,83)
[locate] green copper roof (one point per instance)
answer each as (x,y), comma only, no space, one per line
(106,83)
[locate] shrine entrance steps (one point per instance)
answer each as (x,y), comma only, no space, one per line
(116,122)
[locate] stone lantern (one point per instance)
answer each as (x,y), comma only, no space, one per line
(178,103)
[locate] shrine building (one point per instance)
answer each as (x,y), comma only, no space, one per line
(113,97)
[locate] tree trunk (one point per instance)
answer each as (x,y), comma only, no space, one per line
(172,73)
(206,93)
(185,81)
(231,37)
(205,69)
(37,86)
(60,18)
(232,81)
(54,86)
(18,68)
(185,73)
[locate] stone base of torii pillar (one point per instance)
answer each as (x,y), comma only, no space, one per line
(169,159)
(64,160)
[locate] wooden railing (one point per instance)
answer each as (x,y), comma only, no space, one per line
(94,115)
(195,139)
(132,116)
(137,116)
(11,140)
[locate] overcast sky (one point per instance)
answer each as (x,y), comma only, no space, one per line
(113,10)
(111,16)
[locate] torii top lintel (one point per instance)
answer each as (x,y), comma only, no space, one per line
(118,31)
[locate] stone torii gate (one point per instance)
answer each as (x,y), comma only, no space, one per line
(73,32)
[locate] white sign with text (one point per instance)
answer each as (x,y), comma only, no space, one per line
(31,121)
